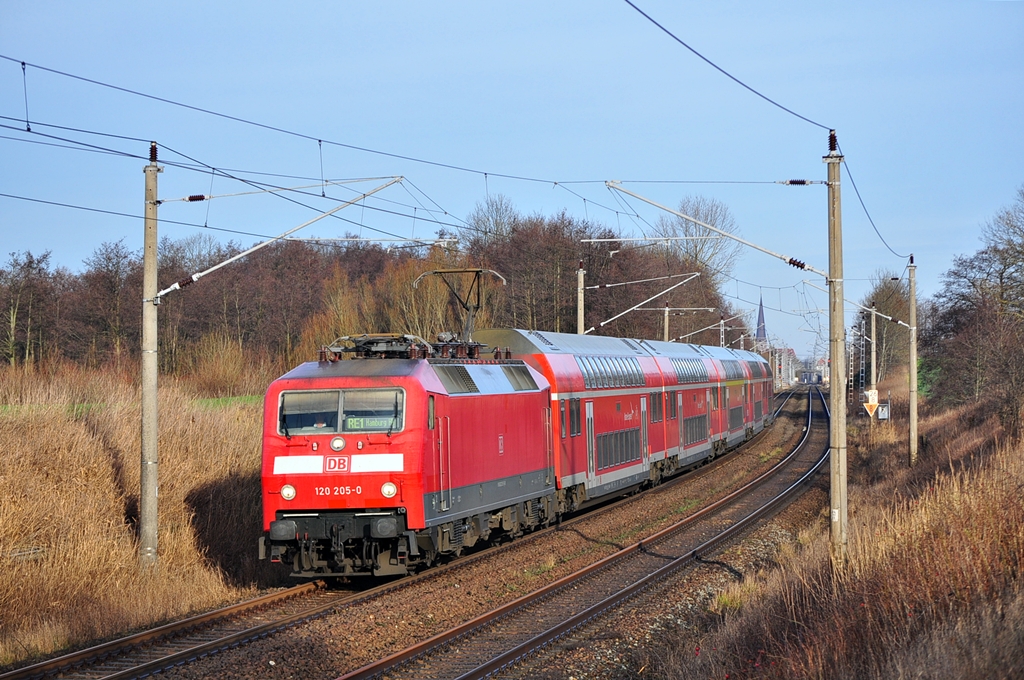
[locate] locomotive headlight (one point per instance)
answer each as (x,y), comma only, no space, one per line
(388,489)
(288,492)
(337,443)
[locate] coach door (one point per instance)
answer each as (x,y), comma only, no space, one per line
(590,438)
(550,446)
(443,428)
(707,409)
(643,429)
(680,421)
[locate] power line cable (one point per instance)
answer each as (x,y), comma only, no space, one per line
(320,142)
(286,198)
(272,128)
(724,72)
(865,208)
(773,103)
(225,172)
(232,173)
(353,147)
(198,166)
(68,146)
(116,213)
(85,145)
(80,130)
(163,220)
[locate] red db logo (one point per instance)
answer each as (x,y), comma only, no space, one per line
(336,464)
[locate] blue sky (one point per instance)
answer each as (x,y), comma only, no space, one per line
(926,98)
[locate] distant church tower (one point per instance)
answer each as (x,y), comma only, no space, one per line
(760,337)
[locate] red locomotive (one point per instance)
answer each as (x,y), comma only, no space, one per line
(411,451)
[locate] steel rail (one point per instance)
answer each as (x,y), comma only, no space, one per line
(115,647)
(381,667)
(578,621)
(100,653)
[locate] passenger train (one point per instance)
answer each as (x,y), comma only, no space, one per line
(410,451)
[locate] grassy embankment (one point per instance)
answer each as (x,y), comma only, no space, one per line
(933,586)
(69,474)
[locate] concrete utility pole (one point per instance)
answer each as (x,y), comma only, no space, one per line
(837,331)
(673,311)
(863,359)
(874,386)
(149,482)
(579,299)
(913,362)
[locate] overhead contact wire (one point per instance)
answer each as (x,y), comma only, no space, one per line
(723,71)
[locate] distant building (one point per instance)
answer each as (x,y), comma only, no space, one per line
(760,336)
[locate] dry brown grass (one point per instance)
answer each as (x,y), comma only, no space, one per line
(933,585)
(70,480)
(217,365)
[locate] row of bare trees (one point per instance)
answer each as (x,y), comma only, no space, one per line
(289,298)
(973,345)
(889,297)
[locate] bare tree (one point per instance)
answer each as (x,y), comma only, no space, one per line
(494,218)
(890,295)
(110,284)
(30,295)
(715,254)
(973,345)
(1004,255)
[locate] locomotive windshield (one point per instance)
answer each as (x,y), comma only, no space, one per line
(340,411)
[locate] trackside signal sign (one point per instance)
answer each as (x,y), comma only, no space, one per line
(872,401)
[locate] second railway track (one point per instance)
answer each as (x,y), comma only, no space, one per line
(500,638)
(181,643)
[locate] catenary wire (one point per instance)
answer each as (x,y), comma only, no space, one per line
(723,71)
(865,208)
(200,167)
(418,160)
(273,128)
(773,103)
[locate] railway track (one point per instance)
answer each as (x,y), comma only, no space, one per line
(499,639)
(184,642)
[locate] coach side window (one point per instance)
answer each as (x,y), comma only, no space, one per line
(562,415)
(574,417)
(657,407)
(430,412)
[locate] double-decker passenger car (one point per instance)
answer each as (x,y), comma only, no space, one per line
(633,411)
(411,450)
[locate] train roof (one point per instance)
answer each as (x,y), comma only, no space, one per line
(454,376)
(545,342)
(673,349)
(354,368)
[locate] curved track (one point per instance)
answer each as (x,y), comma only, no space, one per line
(183,642)
(498,639)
